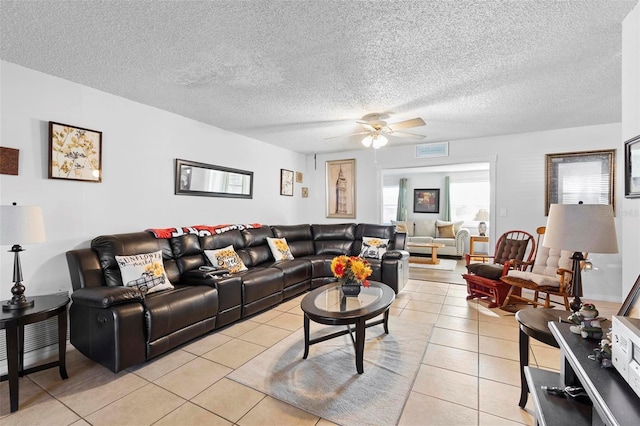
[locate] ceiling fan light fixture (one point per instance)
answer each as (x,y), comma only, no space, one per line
(379,141)
(367,141)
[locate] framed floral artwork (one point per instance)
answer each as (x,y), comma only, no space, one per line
(75,153)
(286,182)
(341,188)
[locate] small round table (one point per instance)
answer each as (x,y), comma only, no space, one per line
(14,321)
(534,322)
(328,305)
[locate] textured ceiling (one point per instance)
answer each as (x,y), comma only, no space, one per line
(293,73)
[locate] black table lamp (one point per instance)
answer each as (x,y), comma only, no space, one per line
(20,224)
(580,228)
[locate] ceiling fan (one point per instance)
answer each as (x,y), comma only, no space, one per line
(376,128)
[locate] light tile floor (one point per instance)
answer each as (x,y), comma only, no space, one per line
(469,374)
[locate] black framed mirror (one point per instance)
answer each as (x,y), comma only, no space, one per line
(193,178)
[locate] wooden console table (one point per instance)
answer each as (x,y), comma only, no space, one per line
(614,402)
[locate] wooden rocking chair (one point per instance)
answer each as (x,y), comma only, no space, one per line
(483,279)
(549,274)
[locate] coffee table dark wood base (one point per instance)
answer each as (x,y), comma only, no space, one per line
(357,317)
(358,341)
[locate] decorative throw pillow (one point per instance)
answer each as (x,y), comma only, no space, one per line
(456,225)
(144,271)
(401,227)
(226,258)
(446,231)
(374,248)
(279,248)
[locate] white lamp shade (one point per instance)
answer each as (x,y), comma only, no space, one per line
(586,228)
(21,225)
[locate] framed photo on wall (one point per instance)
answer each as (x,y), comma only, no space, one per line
(75,153)
(587,176)
(341,188)
(426,201)
(286,182)
(632,168)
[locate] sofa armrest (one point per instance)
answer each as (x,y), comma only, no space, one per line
(103,297)
(395,254)
(198,277)
(461,237)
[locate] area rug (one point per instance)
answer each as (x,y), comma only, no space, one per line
(327,385)
(444,265)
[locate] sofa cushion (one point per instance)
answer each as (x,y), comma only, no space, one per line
(108,246)
(374,248)
(425,228)
(279,248)
(169,311)
(299,238)
(446,231)
(295,271)
(456,225)
(258,283)
(491,271)
(226,258)
(144,271)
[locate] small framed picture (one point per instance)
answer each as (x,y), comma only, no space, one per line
(286,182)
(305,192)
(632,168)
(299,177)
(75,153)
(426,201)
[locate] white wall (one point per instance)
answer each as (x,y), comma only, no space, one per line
(519,169)
(140,144)
(630,208)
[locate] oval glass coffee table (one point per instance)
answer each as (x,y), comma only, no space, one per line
(328,305)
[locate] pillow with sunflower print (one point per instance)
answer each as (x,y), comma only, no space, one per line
(226,258)
(374,248)
(279,248)
(144,271)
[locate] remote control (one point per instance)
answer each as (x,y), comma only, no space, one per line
(553,390)
(207,268)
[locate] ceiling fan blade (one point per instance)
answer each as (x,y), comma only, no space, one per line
(407,135)
(414,122)
(350,134)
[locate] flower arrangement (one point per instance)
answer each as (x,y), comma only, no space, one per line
(351,268)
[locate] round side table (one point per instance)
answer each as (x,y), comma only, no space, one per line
(14,321)
(534,322)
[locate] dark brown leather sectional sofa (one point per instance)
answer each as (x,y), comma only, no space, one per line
(118,326)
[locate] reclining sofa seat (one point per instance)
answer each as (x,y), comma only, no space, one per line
(118,326)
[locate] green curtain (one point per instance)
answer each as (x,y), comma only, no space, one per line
(401,214)
(447,199)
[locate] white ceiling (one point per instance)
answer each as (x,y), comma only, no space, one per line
(292,73)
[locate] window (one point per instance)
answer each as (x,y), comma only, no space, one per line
(389,203)
(470,201)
